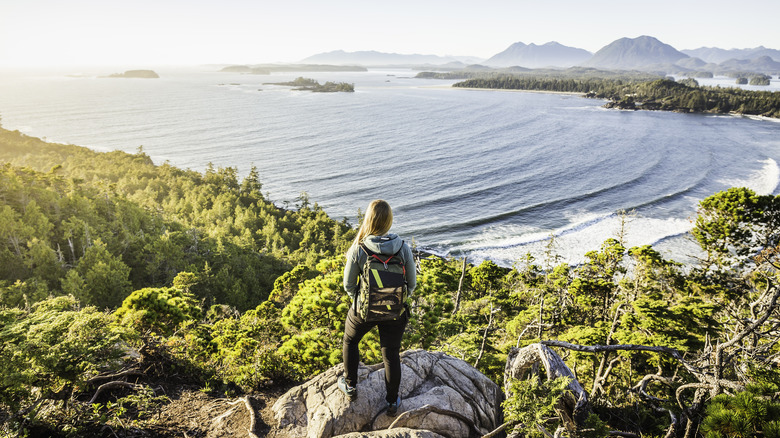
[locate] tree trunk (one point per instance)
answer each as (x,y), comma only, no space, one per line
(460,286)
(573,407)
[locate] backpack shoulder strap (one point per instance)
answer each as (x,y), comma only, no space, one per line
(370,254)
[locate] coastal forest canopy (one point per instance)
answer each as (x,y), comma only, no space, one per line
(102,254)
(629,90)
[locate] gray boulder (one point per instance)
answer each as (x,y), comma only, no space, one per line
(441,397)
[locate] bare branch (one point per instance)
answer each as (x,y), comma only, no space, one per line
(484,337)
(628,347)
(111,385)
(682,388)
(749,329)
(600,374)
(641,387)
(544,431)
(760,299)
(460,286)
(130,372)
(495,432)
(623,434)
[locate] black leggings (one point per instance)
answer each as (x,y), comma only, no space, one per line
(390,334)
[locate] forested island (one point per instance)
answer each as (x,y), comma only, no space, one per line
(142,74)
(306,84)
(127,287)
(636,93)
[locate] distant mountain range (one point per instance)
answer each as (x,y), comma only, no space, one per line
(551,54)
(644,53)
(374,58)
(717,56)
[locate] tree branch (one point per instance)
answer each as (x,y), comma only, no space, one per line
(130,372)
(111,385)
(682,388)
(623,434)
(495,432)
(484,337)
(617,347)
(460,286)
(641,387)
(749,329)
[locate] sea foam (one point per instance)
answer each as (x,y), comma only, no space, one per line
(572,242)
(763,181)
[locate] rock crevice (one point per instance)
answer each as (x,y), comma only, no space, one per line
(441,397)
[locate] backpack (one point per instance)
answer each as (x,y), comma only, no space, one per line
(381,287)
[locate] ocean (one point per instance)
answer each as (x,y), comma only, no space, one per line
(483,174)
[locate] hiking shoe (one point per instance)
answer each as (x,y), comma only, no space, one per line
(392,408)
(349,391)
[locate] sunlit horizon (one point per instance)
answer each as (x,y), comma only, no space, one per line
(90,33)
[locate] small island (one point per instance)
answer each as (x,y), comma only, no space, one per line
(306,84)
(286,68)
(143,74)
(760,80)
(245,69)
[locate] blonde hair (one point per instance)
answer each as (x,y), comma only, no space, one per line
(377,220)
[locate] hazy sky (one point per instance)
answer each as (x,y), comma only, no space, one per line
(147,33)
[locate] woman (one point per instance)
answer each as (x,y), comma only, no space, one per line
(374,236)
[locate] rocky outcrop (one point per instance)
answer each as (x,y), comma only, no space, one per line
(441,397)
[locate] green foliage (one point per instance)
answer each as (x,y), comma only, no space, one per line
(51,348)
(314,321)
(531,403)
(689,82)
(744,414)
(658,94)
(100,225)
(760,80)
(733,225)
(432,304)
(160,310)
(105,278)
(244,349)
(486,278)
(306,84)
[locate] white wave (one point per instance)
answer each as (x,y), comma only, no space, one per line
(761,118)
(571,243)
(763,181)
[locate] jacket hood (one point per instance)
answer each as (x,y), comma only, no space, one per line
(388,244)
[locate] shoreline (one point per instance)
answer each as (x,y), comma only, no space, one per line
(608,101)
(512,90)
